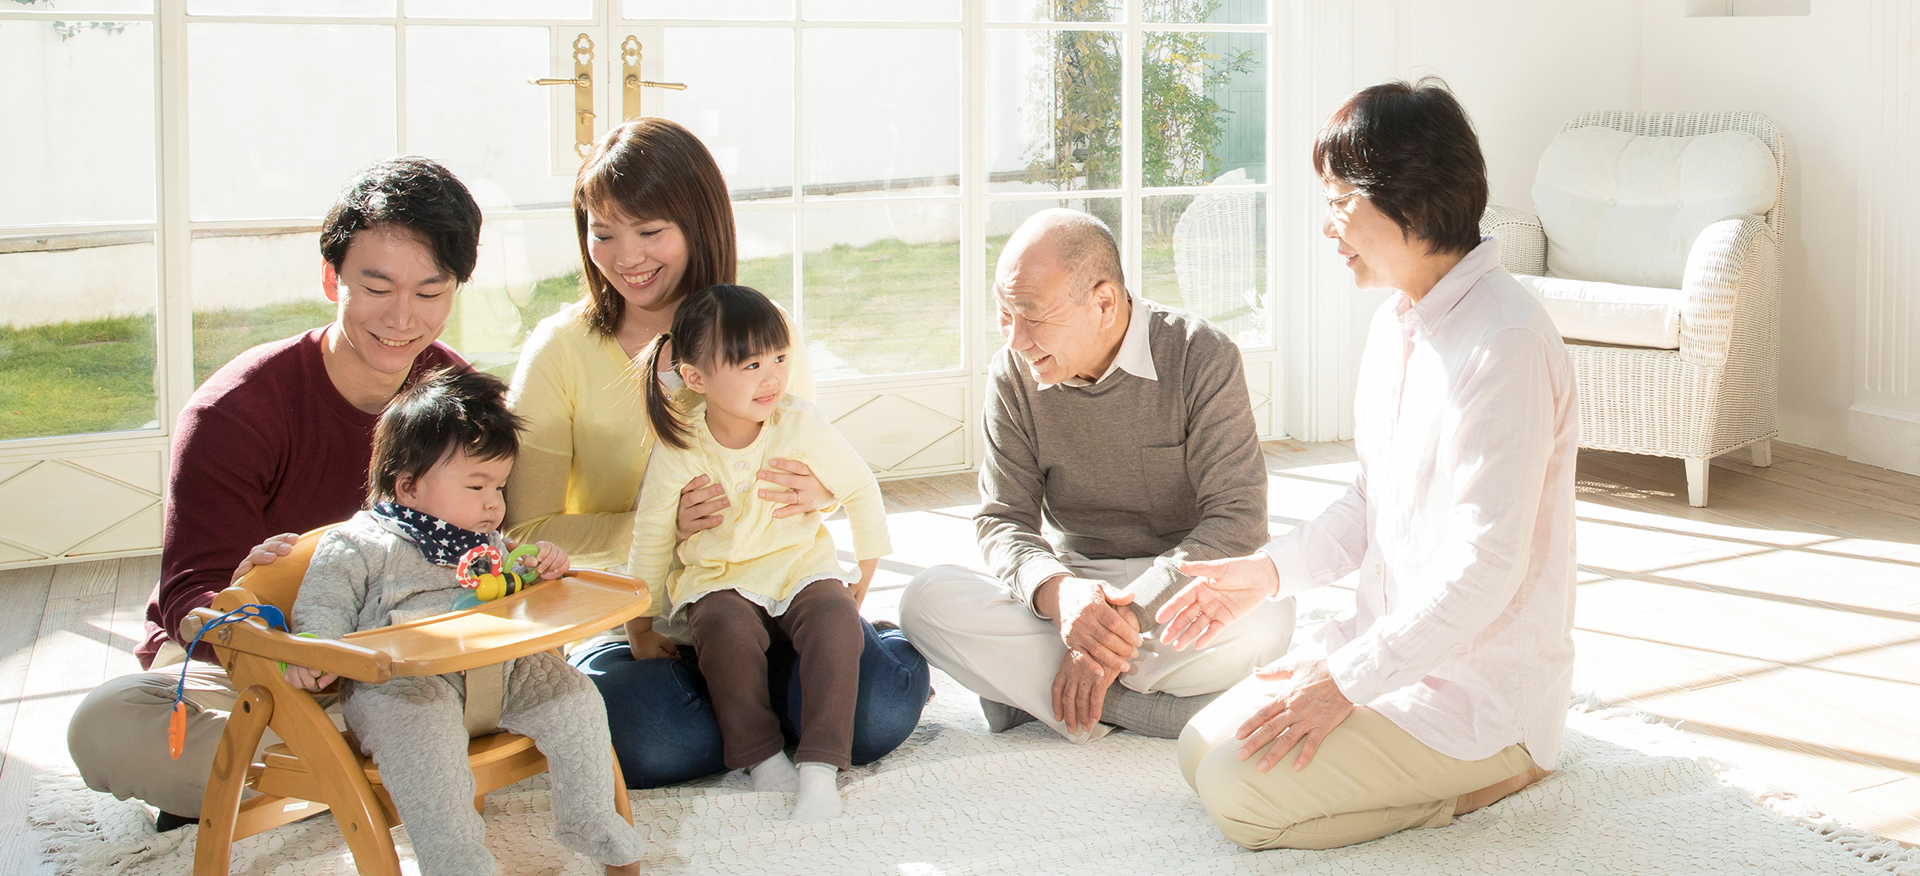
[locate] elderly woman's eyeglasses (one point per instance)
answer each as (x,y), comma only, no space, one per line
(1337,203)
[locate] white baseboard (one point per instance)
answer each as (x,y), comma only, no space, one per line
(1888,439)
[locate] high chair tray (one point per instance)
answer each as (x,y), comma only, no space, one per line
(539,618)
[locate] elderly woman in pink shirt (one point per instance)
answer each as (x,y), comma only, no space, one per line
(1445,688)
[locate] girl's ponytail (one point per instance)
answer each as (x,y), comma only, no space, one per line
(667,425)
(723,325)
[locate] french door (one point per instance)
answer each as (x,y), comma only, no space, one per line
(169,164)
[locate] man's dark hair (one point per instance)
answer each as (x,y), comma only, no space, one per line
(411,194)
(446,410)
(1411,151)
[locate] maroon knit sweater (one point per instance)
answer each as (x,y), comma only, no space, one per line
(266,445)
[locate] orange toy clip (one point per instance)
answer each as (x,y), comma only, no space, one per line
(177,729)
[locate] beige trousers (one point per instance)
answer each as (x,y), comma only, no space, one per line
(1369,778)
(118,734)
(970,626)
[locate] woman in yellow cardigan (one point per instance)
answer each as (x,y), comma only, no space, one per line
(654,223)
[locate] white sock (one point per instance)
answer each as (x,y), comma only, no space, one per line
(819,796)
(776,773)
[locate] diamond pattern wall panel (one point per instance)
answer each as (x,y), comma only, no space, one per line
(902,433)
(108,503)
(1260,393)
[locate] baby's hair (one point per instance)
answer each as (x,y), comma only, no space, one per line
(446,410)
(720,324)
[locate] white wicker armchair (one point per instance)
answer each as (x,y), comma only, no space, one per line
(1717,392)
(1216,259)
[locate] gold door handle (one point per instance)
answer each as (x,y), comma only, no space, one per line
(630,69)
(636,82)
(582,83)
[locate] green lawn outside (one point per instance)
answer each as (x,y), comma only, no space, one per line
(884,308)
(73,377)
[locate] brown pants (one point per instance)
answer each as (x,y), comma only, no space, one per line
(730,637)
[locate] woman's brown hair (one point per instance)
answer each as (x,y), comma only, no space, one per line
(1411,150)
(648,169)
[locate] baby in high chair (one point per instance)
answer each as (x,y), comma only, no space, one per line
(441,455)
(757,578)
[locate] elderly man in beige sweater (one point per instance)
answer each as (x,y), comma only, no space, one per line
(1124,429)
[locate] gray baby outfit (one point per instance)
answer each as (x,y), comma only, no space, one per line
(365,575)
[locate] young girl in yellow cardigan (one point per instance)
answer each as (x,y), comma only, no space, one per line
(755,578)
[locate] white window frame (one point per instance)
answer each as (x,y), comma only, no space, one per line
(173,226)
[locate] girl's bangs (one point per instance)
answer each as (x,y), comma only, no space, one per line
(748,325)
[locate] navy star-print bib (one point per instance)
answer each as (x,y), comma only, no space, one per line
(443,543)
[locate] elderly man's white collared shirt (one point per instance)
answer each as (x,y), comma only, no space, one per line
(1135,356)
(1460,525)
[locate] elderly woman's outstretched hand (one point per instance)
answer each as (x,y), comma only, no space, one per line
(1222,592)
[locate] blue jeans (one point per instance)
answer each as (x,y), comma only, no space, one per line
(662,719)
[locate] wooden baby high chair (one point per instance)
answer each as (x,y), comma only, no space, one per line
(315,767)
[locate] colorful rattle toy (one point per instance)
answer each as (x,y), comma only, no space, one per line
(489,576)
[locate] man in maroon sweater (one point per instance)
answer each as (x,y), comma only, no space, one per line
(277,441)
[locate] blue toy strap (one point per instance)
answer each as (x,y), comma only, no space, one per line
(273,616)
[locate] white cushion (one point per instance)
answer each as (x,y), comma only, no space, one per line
(1622,208)
(1609,313)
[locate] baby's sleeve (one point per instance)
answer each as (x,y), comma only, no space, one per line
(334,589)
(842,471)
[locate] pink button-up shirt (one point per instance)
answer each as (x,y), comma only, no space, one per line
(1460,524)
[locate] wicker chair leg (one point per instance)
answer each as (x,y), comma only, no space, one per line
(1762,453)
(1697,481)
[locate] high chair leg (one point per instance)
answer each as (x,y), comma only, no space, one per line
(220,807)
(620,802)
(357,810)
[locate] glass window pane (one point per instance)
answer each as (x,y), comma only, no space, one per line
(765,242)
(1205,11)
(252,286)
(880,10)
(1208,254)
(1203,111)
(732,10)
(267,138)
(739,102)
(881,112)
(77,334)
(529,268)
(483,121)
(1053,110)
(881,291)
(63,165)
(299,8)
(510,9)
(1004,217)
(71,6)
(1053,10)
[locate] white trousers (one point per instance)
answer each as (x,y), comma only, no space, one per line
(970,626)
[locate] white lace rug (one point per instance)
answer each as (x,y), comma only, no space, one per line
(957,800)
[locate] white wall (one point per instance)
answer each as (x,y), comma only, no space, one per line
(1809,72)
(1849,382)
(1522,68)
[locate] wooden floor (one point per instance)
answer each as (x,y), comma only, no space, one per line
(1781,624)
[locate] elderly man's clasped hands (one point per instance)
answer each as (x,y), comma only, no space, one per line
(1102,635)
(1223,591)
